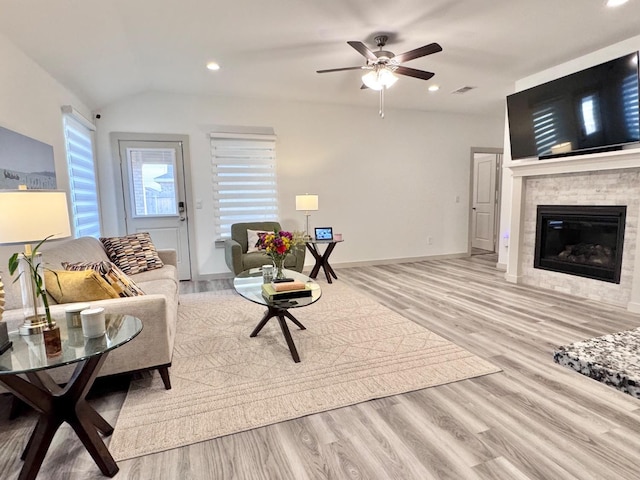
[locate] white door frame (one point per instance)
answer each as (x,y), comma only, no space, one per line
(494,151)
(116,138)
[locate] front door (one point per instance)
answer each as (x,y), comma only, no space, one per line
(483,208)
(154,195)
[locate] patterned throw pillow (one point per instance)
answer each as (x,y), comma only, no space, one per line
(133,253)
(116,278)
(253,240)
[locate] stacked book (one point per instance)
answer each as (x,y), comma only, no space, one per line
(285,290)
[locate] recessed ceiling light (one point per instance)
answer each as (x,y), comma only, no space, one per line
(434,88)
(616,3)
(213,66)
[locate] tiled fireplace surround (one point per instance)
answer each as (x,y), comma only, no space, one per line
(593,179)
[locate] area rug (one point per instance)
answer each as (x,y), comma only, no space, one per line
(353,350)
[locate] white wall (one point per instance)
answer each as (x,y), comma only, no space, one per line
(575,65)
(386,185)
(30,102)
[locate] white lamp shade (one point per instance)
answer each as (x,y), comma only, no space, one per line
(29,216)
(307,202)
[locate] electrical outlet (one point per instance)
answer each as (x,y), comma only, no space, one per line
(430,240)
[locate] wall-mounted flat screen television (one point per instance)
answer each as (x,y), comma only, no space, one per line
(588,111)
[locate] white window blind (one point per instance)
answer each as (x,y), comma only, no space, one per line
(244,179)
(82,176)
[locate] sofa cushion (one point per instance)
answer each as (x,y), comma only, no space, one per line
(133,253)
(82,286)
(118,280)
(254,240)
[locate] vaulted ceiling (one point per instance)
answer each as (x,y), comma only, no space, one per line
(108,49)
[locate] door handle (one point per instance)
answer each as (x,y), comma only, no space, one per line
(182,219)
(473,208)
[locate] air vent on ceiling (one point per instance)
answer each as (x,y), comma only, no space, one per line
(462,90)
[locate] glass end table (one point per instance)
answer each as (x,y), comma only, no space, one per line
(57,405)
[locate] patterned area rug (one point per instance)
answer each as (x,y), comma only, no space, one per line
(224,382)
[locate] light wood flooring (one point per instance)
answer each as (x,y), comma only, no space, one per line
(534,420)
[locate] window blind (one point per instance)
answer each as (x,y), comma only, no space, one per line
(82,178)
(244,180)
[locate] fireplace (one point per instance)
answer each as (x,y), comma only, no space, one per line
(580,240)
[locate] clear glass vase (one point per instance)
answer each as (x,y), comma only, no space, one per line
(278,263)
(32,304)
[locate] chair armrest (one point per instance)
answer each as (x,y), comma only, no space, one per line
(168,257)
(233,255)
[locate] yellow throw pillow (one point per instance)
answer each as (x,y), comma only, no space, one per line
(83,286)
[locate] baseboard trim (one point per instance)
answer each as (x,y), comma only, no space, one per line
(366,263)
(391,261)
(501,266)
(633,307)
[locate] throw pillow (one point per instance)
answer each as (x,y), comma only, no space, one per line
(253,240)
(133,253)
(116,278)
(71,287)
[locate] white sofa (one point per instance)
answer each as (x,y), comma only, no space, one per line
(158,309)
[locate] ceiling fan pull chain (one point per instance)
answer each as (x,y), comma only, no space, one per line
(381,112)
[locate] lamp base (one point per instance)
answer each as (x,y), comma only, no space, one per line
(32,325)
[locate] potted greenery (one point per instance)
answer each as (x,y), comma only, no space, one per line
(30,263)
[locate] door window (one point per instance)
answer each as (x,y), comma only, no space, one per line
(153,184)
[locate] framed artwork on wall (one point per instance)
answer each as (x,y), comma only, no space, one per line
(25,161)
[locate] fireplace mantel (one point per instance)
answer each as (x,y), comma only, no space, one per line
(596,162)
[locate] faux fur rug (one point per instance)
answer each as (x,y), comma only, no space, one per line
(353,350)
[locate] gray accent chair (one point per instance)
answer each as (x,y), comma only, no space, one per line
(237,258)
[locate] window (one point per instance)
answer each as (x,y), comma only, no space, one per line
(153,181)
(78,132)
(244,179)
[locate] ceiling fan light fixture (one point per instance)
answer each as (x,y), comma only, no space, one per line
(213,66)
(379,78)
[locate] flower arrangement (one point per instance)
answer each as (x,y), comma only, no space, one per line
(278,245)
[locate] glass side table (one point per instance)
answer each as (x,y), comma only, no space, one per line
(56,404)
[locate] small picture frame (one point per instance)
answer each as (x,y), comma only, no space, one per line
(324,233)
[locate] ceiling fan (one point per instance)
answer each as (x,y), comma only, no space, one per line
(382,66)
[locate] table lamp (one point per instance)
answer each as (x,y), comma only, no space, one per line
(30,216)
(307,203)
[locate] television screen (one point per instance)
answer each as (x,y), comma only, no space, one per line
(595,109)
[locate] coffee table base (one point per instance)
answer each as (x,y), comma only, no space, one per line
(281,313)
(58,405)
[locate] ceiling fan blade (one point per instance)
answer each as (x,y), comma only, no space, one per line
(418,52)
(363,87)
(339,69)
(363,50)
(412,72)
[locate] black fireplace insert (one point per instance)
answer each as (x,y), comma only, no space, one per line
(581,240)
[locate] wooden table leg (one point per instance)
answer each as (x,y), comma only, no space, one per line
(57,405)
(280,314)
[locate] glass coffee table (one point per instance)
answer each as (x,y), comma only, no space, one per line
(249,285)
(57,405)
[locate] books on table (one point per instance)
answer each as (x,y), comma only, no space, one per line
(285,291)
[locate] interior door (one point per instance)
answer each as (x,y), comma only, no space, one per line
(154,196)
(483,206)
